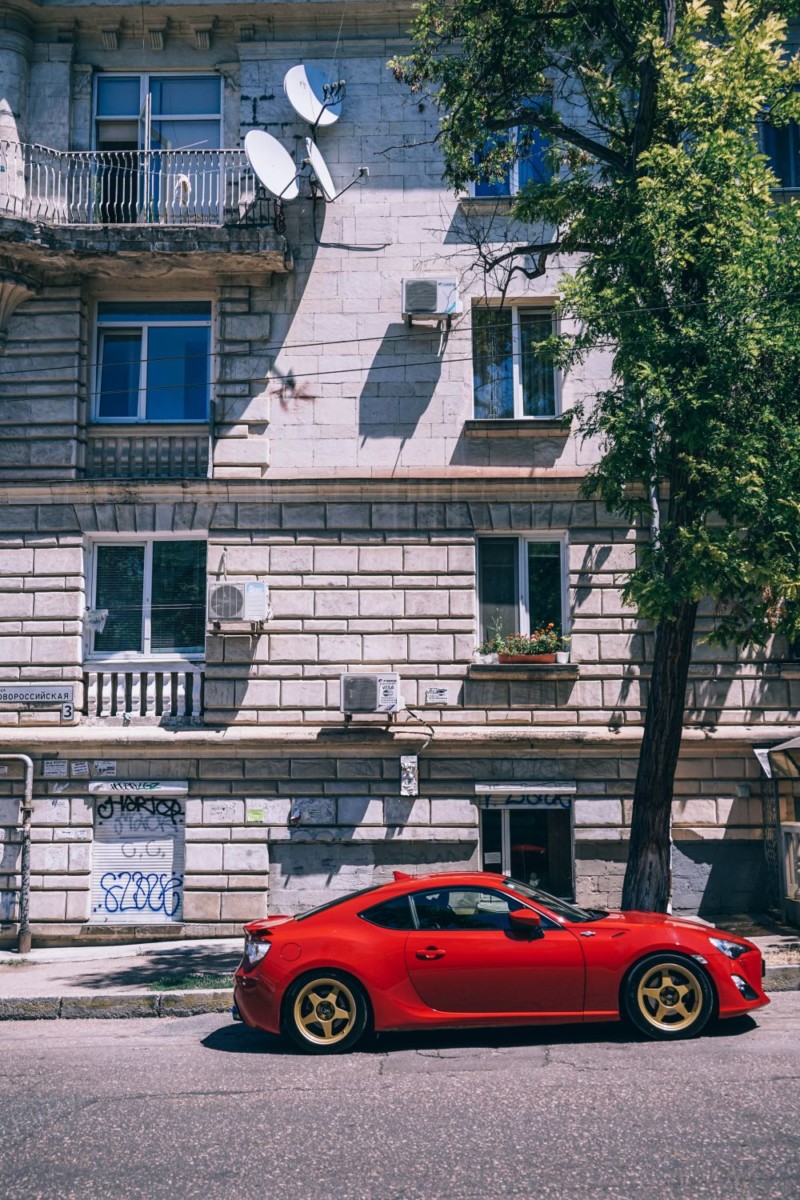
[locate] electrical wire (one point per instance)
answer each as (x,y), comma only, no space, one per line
(278,348)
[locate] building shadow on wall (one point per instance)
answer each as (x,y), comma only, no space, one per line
(712,877)
(400,383)
(333,863)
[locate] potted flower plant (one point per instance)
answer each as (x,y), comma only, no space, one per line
(539,646)
(562,654)
(487,651)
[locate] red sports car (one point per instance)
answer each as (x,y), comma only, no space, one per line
(449,951)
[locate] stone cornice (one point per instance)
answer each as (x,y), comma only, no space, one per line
(333,740)
(456,483)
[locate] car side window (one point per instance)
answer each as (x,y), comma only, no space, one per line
(465,909)
(392,914)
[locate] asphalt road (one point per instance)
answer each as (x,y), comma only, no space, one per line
(203,1108)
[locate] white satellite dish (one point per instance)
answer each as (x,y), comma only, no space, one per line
(320,169)
(312,96)
(272,165)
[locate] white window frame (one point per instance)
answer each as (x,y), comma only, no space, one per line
(100,326)
(541,309)
(144,78)
(147,541)
(523,599)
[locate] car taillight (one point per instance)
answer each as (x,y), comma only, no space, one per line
(254,951)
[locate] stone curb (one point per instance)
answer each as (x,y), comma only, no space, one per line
(105,1007)
(192,1004)
(785,978)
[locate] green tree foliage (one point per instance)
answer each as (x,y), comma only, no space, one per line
(687,270)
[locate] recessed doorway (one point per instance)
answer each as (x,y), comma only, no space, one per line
(530,843)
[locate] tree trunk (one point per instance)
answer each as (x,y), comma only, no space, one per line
(647,876)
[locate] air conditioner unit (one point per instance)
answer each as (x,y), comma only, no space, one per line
(370,693)
(247,602)
(432,298)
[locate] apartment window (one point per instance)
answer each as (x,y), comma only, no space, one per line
(158,112)
(154,594)
(520,584)
(782,147)
(531,162)
(153,361)
(512,377)
(531,165)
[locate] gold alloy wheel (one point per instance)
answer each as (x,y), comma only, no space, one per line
(670,997)
(324,1011)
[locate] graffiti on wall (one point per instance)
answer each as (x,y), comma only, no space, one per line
(138,853)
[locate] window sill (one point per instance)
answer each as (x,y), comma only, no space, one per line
(524,671)
(483,202)
(146,662)
(507,427)
(165,428)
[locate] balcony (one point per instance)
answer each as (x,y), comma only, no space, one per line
(71,207)
(167,693)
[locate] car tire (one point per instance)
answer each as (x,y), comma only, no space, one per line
(668,996)
(325,1012)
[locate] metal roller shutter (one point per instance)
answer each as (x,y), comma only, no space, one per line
(137,862)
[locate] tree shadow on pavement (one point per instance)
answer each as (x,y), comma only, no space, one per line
(154,967)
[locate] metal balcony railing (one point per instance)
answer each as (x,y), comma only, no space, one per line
(131,187)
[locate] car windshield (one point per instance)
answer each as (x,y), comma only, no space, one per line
(561,908)
(312,912)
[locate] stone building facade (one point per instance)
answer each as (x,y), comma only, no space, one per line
(201,384)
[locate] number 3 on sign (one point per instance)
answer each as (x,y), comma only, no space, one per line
(67,712)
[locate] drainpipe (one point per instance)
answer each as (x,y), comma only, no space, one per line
(24,936)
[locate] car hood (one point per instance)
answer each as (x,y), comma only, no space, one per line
(655,920)
(665,922)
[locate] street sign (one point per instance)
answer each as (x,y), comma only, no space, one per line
(36,693)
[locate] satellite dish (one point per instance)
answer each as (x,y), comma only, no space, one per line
(272,165)
(320,169)
(312,96)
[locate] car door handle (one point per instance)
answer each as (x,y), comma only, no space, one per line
(430,952)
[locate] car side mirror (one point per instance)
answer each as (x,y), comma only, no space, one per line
(525,921)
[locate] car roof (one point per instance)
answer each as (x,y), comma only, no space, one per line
(464,878)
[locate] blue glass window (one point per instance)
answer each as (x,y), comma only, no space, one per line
(782,147)
(531,165)
(153,361)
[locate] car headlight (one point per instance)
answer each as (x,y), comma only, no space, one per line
(731,949)
(255,951)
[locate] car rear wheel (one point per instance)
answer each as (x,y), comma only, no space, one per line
(326,1013)
(668,996)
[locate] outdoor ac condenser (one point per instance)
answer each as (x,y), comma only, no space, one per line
(246,602)
(431,297)
(370,693)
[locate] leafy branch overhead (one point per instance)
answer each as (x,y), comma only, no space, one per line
(687,267)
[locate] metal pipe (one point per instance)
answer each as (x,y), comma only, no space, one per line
(24,935)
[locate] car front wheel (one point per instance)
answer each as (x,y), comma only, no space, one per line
(668,996)
(326,1013)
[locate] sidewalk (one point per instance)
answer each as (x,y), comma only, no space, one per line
(160,979)
(152,979)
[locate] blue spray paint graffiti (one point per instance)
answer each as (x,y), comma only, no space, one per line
(139,860)
(134,891)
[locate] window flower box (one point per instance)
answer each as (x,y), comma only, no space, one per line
(526,658)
